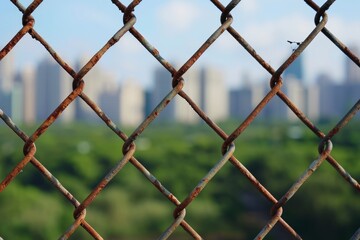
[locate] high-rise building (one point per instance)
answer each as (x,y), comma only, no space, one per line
(178,109)
(243,100)
(205,87)
(125,104)
(131,104)
(296,69)
(7,73)
(147,102)
(53,85)
(96,82)
(5,102)
(183,111)
(277,109)
(294,88)
(240,102)
(162,86)
(312,102)
(328,103)
(6,83)
(352,71)
(295,91)
(214,96)
(17,99)
(26,80)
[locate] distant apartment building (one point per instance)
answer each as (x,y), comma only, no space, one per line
(7,73)
(183,112)
(313,102)
(296,69)
(6,84)
(214,96)
(206,87)
(125,104)
(295,90)
(17,99)
(52,86)
(26,82)
(161,87)
(243,100)
(352,71)
(178,109)
(96,81)
(328,99)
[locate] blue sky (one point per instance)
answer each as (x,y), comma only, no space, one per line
(177,28)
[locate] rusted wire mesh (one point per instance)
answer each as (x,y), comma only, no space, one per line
(178,82)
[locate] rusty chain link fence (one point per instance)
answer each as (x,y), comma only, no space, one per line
(129,147)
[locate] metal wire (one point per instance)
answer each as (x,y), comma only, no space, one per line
(178,82)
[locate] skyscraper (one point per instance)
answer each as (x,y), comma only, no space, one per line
(352,71)
(53,85)
(6,83)
(183,111)
(26,80)
(214,97)
(161,87)
(327,104)
(296,69)
(206,87)
(125,104)
(7,73)
(17,99)
(96,82)
(178,109)
(295,90)
(244,100)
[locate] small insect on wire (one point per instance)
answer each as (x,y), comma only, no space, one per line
(293,42)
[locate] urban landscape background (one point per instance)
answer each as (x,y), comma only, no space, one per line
(30,95)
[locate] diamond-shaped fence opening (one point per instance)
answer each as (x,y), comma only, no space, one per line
(257,170)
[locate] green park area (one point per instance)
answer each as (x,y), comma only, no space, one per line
(179,156)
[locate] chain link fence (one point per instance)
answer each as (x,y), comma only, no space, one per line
(178,82)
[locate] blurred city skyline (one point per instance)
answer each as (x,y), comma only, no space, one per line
(177,28)
(32,95)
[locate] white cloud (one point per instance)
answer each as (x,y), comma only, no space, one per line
(266,34)
(129,45)
(178,15)
(248,7)
(96,14)
(347,31)
(226,43)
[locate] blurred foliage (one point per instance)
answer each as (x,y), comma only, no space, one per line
(325,207)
